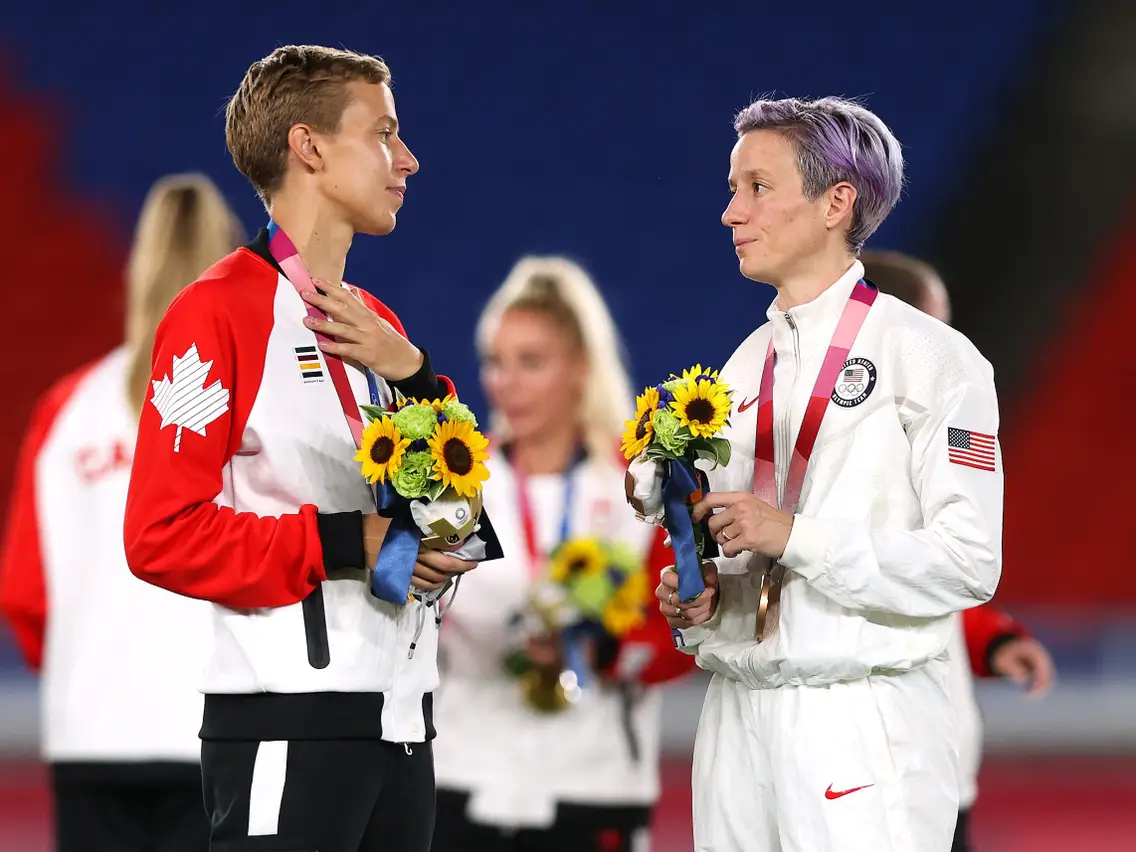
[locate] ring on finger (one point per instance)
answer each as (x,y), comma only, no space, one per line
(671,598)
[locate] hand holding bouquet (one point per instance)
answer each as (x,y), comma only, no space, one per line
(595,589)
(677,424)
(427,461)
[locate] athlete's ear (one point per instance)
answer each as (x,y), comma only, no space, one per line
(304,146)
(841,199)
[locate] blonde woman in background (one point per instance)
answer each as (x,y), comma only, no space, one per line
(118,659)
(583,777)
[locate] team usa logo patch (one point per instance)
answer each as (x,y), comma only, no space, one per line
(855,382)
(310,367)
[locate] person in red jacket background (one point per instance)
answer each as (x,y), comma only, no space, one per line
(987,641)
(520,766)
(118,659)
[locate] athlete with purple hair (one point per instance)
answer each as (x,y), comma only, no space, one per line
(861,508)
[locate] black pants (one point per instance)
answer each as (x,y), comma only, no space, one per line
(129,807)
(319,796)
(578,828)
(962,833)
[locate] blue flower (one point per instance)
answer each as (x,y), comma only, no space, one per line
(442,418)
(419,446)
(665,396)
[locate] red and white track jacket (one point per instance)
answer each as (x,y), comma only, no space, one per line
(515,762)
(245,493)
(119,659)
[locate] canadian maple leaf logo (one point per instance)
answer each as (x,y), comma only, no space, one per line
(185,402)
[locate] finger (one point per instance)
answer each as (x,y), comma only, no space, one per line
(669,579)
(445,563)
(332,294)
(729,532)
(710,573)
(734,546)
(1042,667)
(717,500)
(425,585)
(722,519)
(346,351)
(1013,668)
(703,599)
(342,332)
(433,575)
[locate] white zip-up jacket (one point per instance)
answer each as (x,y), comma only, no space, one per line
(120,658)
(516,763)
(899,523)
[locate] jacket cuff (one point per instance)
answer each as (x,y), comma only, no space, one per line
(688,639)
(341,536)
(422,385)
(807,547)
(992,648)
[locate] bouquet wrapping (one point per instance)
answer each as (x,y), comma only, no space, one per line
(426,460)
(595,589)
(675,437)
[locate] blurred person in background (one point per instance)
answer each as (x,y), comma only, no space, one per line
(985,641)
(119,660)
(827,724)
(513,773)
(248,491)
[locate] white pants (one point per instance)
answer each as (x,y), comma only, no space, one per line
(866,766)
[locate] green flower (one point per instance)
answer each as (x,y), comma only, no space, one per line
(413,478)
(674,382)
(455,410)
(416,421)
(670,433)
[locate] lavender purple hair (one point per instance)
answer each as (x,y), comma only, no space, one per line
(836,140)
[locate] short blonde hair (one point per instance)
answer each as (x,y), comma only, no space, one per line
(296,84)
(184,228)
(563,291)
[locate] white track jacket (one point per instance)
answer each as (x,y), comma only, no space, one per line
(900,518)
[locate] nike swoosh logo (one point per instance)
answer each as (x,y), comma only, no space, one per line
(742,407)
(831,794)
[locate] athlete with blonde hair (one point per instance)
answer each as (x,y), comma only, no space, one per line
(119,660)
(511,777)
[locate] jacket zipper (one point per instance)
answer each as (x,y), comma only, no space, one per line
(787,414)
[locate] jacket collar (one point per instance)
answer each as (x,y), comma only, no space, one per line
(814,322)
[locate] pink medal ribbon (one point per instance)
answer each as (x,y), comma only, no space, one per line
(284,253)
(765,459)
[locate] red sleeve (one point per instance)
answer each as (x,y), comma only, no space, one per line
(648,651)
(207,373)
(390,316)
(982,625)
(23,591)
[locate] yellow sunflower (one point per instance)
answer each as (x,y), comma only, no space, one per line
(581,557)
(696,373)
(702,407)
(459,456)
(382,450)
(618,619)
(639,432)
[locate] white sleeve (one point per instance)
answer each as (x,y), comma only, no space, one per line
(954,561)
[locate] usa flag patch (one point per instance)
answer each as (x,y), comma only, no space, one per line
(970,449)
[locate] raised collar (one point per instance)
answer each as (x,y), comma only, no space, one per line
(814,322)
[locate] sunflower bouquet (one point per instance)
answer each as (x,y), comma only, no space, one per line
(595,590)
(426,460)
(677,424)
